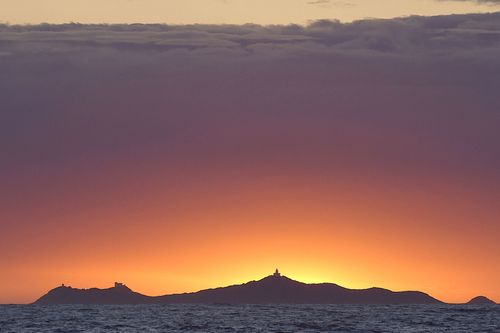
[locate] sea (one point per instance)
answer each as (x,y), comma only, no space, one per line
(249,318)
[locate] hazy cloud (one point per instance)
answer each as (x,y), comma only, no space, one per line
(328,3)
(318,2)
(410,94)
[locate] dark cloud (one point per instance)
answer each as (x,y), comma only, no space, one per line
(400,36)
(417,95)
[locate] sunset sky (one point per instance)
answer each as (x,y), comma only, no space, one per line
(227,11)
(180,157)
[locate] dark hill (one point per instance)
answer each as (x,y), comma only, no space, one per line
(280,289)
(481,300)
(274,289)
(119,294)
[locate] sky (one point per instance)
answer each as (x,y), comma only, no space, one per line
(226,11)
(180,157)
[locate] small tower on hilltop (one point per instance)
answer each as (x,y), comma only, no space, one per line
(277,273)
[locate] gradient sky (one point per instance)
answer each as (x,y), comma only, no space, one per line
(176,158)
(226,11)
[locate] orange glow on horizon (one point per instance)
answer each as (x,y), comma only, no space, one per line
(178,158)
(162,245)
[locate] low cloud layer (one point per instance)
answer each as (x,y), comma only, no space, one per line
(415,95)
(474,35)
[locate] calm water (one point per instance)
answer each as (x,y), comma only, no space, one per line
(254,318)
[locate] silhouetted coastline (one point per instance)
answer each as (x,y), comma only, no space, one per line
(273,289)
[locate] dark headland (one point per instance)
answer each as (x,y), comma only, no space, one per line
(273,289)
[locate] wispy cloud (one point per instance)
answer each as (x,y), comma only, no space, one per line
(331,3)
(490,2)
(318,2)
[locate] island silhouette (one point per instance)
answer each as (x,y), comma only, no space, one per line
(481,300)
(273,289)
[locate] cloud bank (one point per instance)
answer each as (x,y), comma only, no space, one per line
(328,68)
(417,95)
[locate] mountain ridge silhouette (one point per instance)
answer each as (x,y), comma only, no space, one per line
(272,289)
